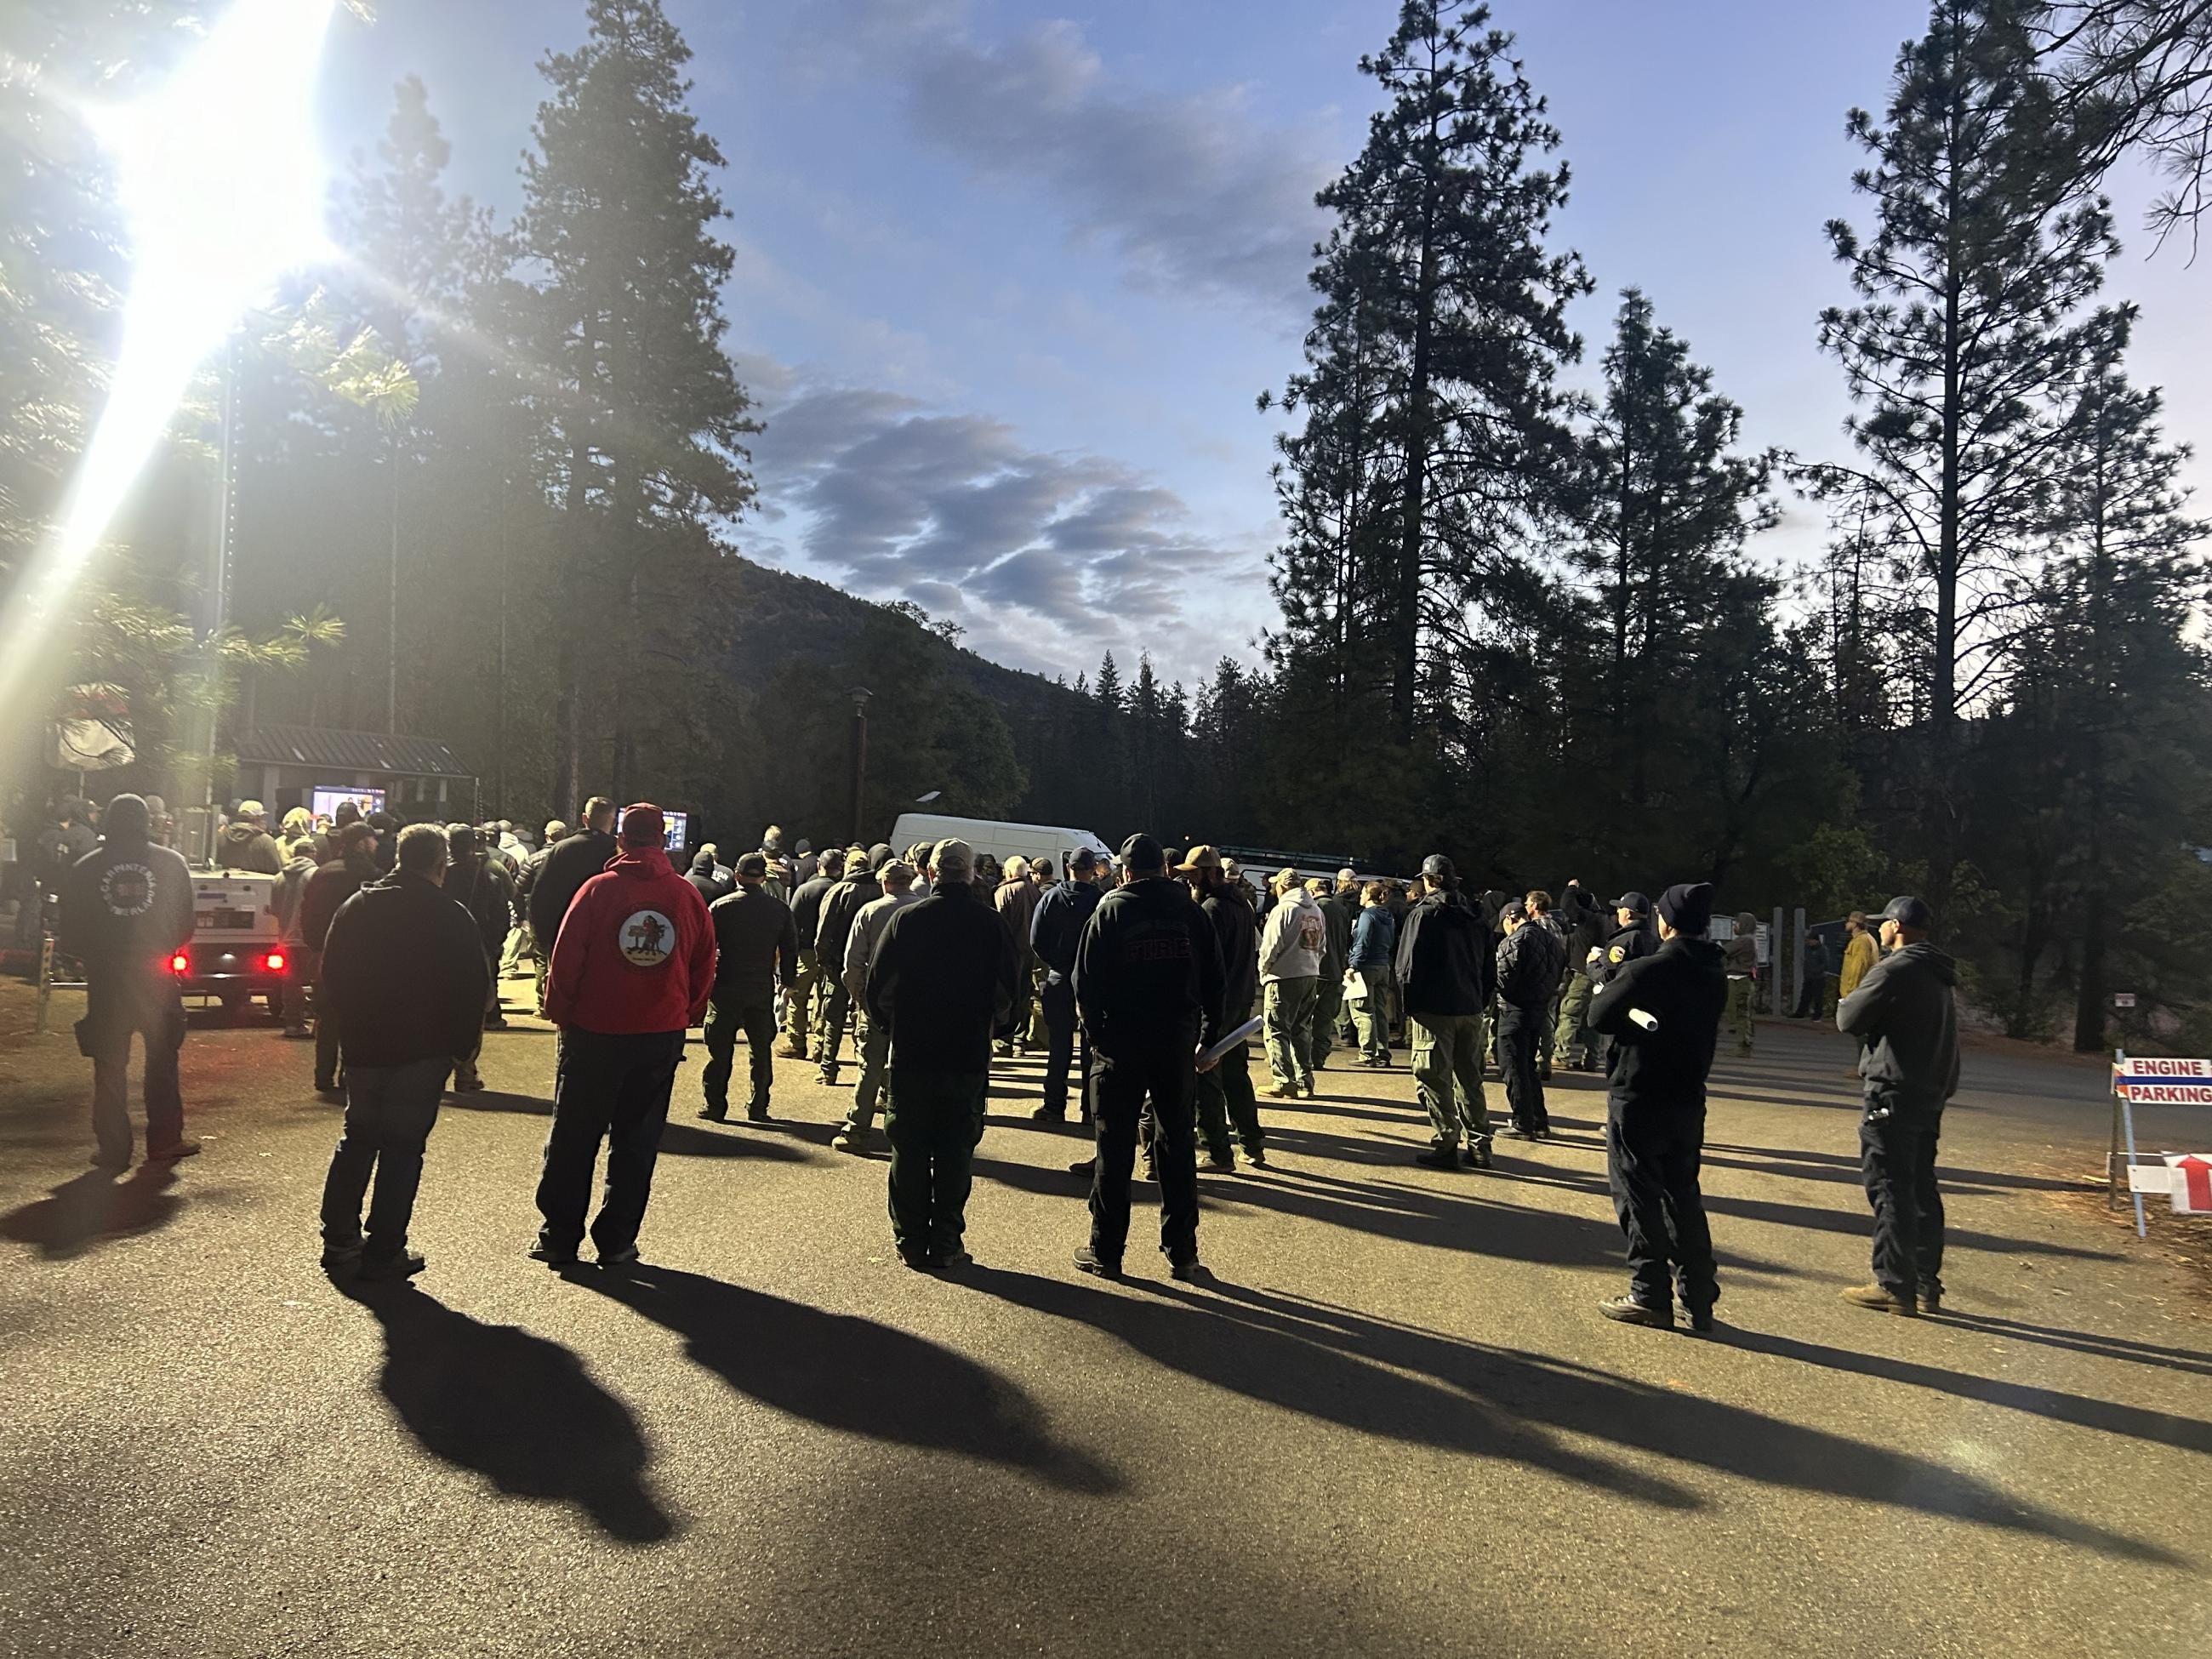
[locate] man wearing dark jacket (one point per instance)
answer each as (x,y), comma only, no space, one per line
(754,946)
(1662,1012)
(941,979)
(329,888)
(856,889)
(1445,969)
(1530,958)
(568,865)
(404,974)
(706,878)
(1054,932)
(1148,986)
(479,884)
(1905,1017)
(126,908)
(800,996)
(1225,1096)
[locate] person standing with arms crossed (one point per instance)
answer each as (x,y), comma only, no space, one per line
(1905,1016)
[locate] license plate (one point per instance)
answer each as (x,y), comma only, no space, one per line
(231,919)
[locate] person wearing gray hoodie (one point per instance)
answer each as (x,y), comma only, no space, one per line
(1290,947)
(1905,1014)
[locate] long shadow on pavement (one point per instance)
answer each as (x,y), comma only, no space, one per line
(677,1139)
(93,1208)
(2183,1433)
(1279,1367)
(2095,1343)
(515,1408)
(1334,1362)
(852,1373)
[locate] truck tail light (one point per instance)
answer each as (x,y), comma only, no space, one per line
(274,962)
(181,963)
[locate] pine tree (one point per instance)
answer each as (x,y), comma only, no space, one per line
(2110,712)
(648,417)
(1107,687)
(1961,351)
(1444,308)
(1665,506)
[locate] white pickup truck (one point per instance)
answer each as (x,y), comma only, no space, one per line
(237,950)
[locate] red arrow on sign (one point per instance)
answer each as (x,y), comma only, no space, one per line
(2198,1174)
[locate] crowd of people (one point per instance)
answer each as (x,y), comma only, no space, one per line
(1138,981)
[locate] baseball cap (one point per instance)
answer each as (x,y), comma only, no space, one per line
(1637,904)
(954,859)
(1909,911)
(1439,865)
(1084,858)
(1200,856)
(1141,852)
(755,865)
(642,825)
(1513,907)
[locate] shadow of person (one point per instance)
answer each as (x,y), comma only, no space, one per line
(853,1374)
(677,1139)
(94,1207)
(1668,1423)
(517,1409)
(1215,1343)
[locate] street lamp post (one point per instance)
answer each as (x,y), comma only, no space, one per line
(861,694)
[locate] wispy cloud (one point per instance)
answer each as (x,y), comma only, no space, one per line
(1192,193)
(1047,559)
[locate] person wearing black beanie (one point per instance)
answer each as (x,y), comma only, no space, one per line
(1662,1012)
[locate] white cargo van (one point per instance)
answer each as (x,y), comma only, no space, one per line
(1002,841)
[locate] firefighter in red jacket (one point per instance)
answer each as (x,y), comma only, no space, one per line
(631,968)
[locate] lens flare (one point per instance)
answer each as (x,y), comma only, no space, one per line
(220,177)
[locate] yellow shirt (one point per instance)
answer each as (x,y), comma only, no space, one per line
(1860,954)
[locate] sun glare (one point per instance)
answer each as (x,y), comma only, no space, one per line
(223,189)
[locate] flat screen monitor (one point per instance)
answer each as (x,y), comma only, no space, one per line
(323,799)
(679,829)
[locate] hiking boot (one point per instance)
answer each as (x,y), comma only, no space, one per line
(1187,1273)
(1701,1319)
(1221,1163)
(338,1257)
(757,1110)
(1088,1261)
(1256,1157)
(828,1077)
(171,1154)
(1629,1311)
(553,1258)
(405,1264)
(850,1139)
(1931,1299)
(1282,1092)
(1478,1155)
(1050,1114)
(951,1260)
(1438,1157)
(714,1114)
(1881,1299)
(625,1257)
(790,1050)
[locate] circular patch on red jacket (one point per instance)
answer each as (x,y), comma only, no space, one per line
(647,940)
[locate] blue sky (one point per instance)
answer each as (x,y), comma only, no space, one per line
(1011,275)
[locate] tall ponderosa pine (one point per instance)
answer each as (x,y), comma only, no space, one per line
(2105,738)
(647,418)
(1433,359)
(1665,504)
(1960,354)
